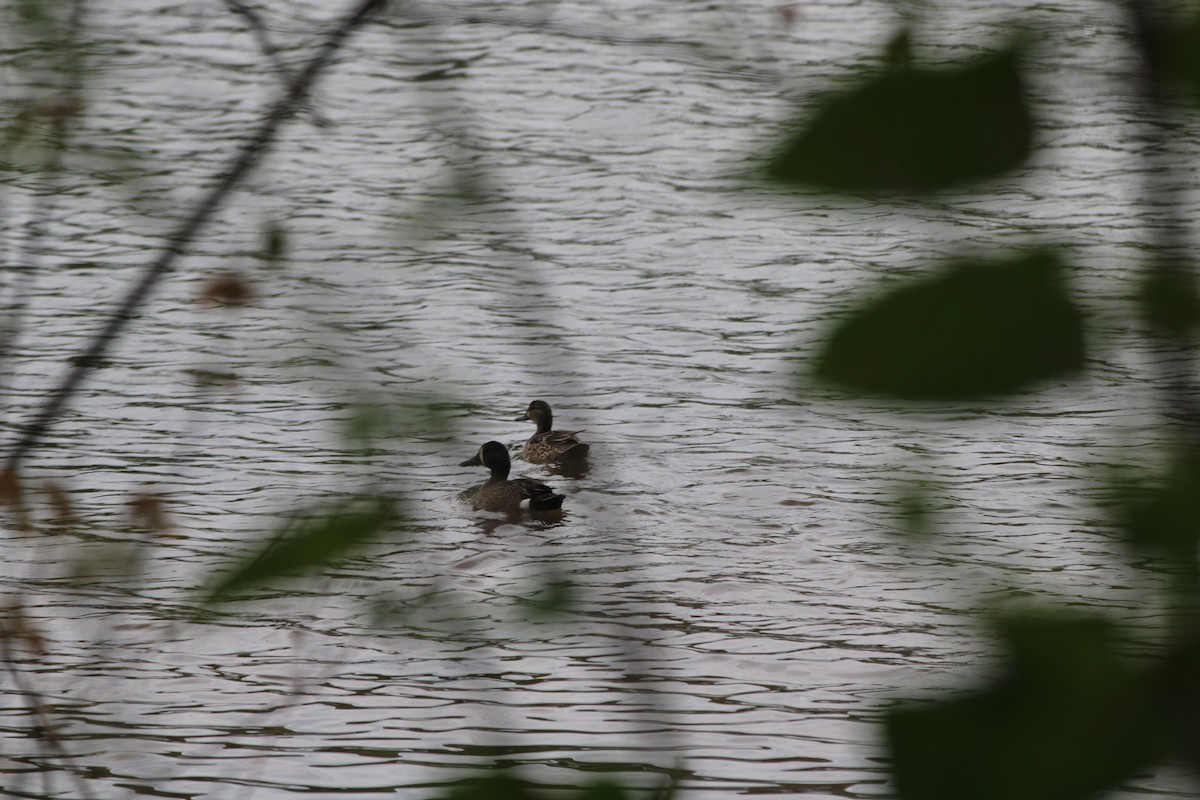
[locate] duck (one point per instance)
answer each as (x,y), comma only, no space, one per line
(499,493)
(548,445)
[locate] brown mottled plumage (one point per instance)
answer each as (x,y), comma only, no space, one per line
(549,445)
(498,493)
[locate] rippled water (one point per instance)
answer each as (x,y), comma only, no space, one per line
(743,608)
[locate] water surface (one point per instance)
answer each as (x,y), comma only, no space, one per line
(745,607)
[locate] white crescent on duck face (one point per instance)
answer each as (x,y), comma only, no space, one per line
(498,493)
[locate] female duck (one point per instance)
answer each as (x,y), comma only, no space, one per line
(498,493)
(549,445)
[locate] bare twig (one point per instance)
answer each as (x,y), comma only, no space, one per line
(258,29)
(178,242)
(16,626)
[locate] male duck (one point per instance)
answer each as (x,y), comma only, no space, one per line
(548,445)
(498,493)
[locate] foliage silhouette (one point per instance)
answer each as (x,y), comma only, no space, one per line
(1067,718)
(914,129)
(1071,715)
(977,329)
(310,540)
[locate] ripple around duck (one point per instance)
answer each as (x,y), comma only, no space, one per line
(740,594)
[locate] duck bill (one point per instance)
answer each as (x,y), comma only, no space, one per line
(472,462)
(522,418)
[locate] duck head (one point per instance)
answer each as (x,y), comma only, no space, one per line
(494,456)
(539,413)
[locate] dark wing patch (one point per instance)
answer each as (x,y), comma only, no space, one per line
(539,494)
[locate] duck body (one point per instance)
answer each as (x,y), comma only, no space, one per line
(499,493)
(549,445)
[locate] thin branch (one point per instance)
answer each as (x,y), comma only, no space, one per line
(258,29)
(47,732)
(178,242)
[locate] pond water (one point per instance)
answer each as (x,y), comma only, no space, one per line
(542,200)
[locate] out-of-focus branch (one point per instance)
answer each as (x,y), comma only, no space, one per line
(177,243)
(15,627)
(258,29)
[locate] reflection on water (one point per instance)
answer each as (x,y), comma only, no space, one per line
(574,469)
(722,598)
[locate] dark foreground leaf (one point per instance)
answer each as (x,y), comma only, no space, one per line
(1170,44)
(977,329)
(914,130)
(308,541)
(1188,49)
(556,596)
(1160,517)
(1069,720)
(499,786)
(1169,300)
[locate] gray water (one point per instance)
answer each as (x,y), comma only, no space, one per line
(745,606)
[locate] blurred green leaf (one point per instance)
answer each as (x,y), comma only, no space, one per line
(898,51)
(417,415)
(275,244)
(367,422)
(1161,516)
(1169,41)
(1170,44)
(499,786)
(40,15)
(308,541)
(603,790)
(556,596)
(914,130)
(1067,721)
(1186,41)
(1169,301)
(43,38)
(977,329)
(913,510)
